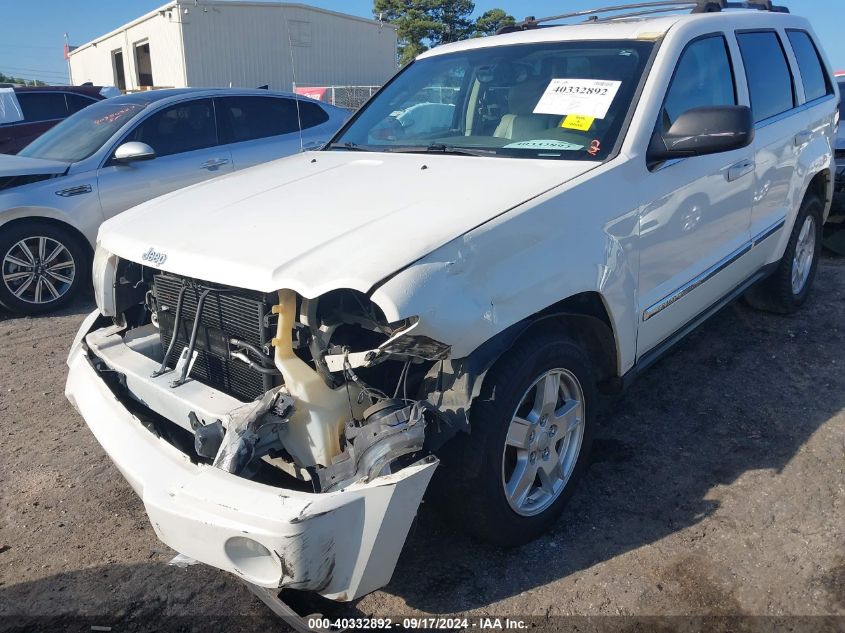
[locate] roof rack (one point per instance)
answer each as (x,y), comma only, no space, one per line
(645,8)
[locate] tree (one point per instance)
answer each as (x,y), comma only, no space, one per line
(424,24)
(8,79)
(491,21)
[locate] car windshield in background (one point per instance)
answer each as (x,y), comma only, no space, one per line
(566,100)
(82,134)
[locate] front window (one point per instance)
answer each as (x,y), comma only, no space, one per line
(79,136)
(566,100)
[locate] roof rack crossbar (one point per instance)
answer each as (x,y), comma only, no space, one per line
(678,4)
(648,8)
(633,14)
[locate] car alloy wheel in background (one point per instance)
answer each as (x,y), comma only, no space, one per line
(38,270)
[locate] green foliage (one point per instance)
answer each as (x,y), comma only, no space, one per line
(8,79)
(424,24)
(491,21)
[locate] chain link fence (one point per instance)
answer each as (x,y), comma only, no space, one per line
(349,97)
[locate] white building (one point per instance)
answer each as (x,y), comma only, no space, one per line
(239,43)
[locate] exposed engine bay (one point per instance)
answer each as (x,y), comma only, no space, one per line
(330,391)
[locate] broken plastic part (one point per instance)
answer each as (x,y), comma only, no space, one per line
(180,560)
(391,430)
(208,438)
(237,448)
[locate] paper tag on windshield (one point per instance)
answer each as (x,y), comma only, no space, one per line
(586,97)
(546,144)
(577,122)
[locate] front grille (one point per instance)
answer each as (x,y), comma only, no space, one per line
(227,313)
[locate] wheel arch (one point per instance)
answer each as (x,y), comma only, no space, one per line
(821,184)
(454,384)
(55,222)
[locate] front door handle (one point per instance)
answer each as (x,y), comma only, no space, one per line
(214,162)
(742,168)
(802,138)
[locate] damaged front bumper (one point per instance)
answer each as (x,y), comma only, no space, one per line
(341,544)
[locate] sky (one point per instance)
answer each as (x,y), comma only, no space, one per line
(32,34)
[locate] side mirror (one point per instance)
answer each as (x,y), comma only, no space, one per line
(703,131)
(133,151)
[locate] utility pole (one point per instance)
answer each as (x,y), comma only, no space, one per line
(67,59)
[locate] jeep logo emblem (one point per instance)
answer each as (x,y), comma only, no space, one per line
(154,257)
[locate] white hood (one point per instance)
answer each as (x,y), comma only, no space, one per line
(319,221)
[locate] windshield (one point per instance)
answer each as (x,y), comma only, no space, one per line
(82,134)
(547,100)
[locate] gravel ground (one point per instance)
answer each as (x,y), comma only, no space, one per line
(717,488)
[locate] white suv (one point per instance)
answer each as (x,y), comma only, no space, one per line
(282,357)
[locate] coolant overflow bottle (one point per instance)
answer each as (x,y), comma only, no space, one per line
(320,412)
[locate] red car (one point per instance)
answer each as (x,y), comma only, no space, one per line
(26,113)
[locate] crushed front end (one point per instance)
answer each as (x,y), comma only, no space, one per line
(271,436)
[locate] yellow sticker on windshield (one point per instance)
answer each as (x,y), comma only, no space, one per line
(578,122)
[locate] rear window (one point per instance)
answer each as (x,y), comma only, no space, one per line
(769,77)
(76,102)
(248,118)
(42,106)
(813,76)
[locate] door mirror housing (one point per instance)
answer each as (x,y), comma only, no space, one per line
(133,151)
(703,131)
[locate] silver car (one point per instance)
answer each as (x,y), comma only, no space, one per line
(120,152)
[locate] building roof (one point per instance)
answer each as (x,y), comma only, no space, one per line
(191,4)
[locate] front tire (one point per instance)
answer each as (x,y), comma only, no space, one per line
(787,289)
(42,267)
(530,434)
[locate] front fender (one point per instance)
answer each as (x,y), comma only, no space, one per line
(519,264)
(81,211)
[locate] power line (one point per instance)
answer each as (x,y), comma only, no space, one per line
(16,69)
(15,46)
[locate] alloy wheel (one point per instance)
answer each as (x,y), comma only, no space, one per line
(805,251)
(38,270)
(543,442)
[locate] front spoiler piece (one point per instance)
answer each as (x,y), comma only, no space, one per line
(341,544)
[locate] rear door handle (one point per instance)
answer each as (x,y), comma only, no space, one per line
(214,162)
(742,168)
(802,138)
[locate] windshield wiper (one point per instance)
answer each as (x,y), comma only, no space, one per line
(441,148)
(349,146)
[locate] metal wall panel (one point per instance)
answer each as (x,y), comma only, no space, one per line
(248,46)
(244,44)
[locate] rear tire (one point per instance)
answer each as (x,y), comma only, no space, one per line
(787,289)
(42,267)
(508,480)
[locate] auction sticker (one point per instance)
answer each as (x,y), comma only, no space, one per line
(587,97)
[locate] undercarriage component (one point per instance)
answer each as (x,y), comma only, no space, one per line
(289,616)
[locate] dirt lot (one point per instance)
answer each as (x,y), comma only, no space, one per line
(717,488)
